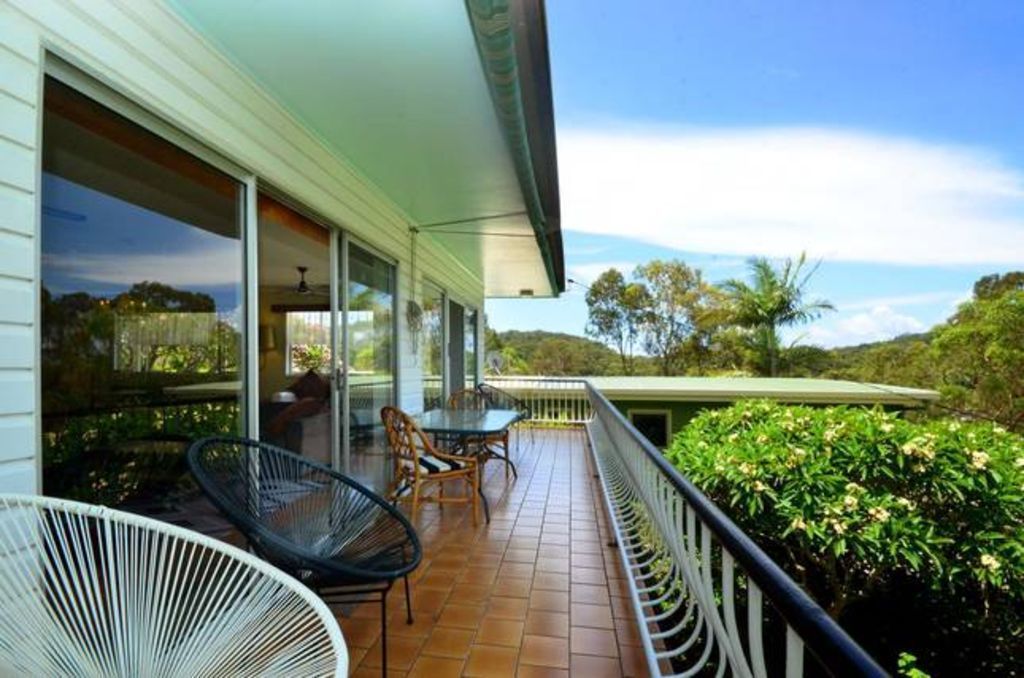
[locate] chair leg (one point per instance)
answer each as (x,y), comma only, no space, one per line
(408,601)
(440,496)
(415,500)
(384,635)
(507,455)
(475,489)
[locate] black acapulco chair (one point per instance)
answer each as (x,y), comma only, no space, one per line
(325,529)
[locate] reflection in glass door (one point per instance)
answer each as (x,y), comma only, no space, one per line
(141,303)
(432,347)
(369,364)
(295,339)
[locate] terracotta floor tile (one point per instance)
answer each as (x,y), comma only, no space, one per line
(545,651)
(550,601)
(633,662)
(467,594)
(559,565)
(551,581)
(504,632)
(515,570)
(486,661)
(543,623)
(507,608)
(530,671)
(553,551)
(595,616)
(360,632)
(449,642)
(402,652)
(552,538)
(587,560)
(588,593)
(587,575)
(591,547)
(595,667)
(436,667)
(461,616)
(593,641)
(622,608)
(627,632)
(512,587)
(514,555)
(523,543)
(374,672)
(479,575)
(422,623)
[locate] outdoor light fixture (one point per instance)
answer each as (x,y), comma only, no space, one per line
(526,293)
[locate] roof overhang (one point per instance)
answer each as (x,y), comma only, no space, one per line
(445,107)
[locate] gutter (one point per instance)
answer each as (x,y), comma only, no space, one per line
(511,39)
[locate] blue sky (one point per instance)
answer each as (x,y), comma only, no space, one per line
(886,139)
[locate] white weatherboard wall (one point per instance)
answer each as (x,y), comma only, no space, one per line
(142,50)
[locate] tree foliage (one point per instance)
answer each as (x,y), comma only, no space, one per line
(862,507)
(773,299)
(980,356)
(616,311)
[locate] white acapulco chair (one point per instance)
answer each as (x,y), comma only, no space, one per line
(89,591)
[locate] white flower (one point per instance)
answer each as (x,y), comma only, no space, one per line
(1019,462)
(905,503)
(979,460)
(878,513)
(850,502)
(887,427)
(990,562)
(854,487)
(746,469)
(798,524)
(759,486)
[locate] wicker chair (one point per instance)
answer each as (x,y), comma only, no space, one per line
(418,463)
(88,591)
(330,532)
(472,399)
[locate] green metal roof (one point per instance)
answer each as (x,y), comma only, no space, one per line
(728,389)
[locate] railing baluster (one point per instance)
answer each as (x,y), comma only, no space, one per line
(674,544)
(794,654)
(755,612)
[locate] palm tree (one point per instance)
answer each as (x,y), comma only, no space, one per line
(773,300)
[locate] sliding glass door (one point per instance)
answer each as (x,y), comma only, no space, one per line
(142,310)
(369,367)
(296,340)
(431,347)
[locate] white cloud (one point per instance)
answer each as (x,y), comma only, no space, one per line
(211,266)
(837,194)
(588,273)
(876,324)
(949,298)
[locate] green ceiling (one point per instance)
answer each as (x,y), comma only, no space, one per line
(396,87)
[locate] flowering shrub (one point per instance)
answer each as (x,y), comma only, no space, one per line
(855,503)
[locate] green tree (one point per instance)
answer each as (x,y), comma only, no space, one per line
(997,284)
(980,355)
(676,321)
(774,299)
(615,312)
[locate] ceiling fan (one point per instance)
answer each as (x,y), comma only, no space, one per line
(305,288)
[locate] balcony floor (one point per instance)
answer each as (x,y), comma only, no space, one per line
(538,592)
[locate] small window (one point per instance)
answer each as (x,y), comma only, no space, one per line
(309,341)
(653,425)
